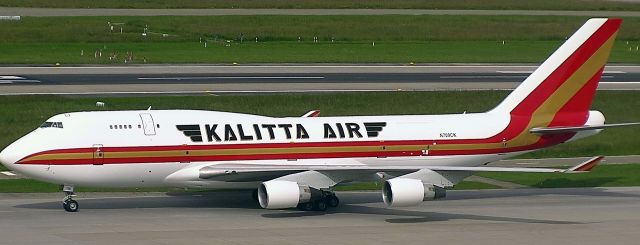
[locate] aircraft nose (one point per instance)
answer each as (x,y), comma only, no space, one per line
(7,158)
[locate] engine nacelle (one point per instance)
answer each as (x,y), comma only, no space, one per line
(402,192)
(276,194)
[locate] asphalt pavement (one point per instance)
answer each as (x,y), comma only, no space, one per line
(212,79)
(519,216)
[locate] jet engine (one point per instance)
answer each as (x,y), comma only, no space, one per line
(277,194)
(402,192)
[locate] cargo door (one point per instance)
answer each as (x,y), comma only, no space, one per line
(148,124)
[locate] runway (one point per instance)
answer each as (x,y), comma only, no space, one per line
(197,79)
(522,216)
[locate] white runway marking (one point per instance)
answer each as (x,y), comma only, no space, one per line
(529,72)
(484,77)
(219,92)
(478,77)
(8,173)
(18,81)
(515,72)
(11,77)
(15,79)
(224,77)
(631,83)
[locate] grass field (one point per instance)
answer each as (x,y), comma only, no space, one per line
(289,28)
(397,39)
(21,114)
(293,52)
(30,185)
(601,176)
(464,185)
(300,4)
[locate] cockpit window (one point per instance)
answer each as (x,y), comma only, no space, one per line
(51,125)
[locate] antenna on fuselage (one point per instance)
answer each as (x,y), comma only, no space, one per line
(148,109)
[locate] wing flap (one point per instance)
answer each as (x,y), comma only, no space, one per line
(245,175)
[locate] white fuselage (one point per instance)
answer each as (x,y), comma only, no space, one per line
(161,148)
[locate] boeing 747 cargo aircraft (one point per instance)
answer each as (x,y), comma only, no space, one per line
(296,161)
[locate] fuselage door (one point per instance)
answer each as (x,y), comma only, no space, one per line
(148,124)
(98,155)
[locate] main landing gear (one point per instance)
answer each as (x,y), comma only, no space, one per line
(68,203)
(328,200)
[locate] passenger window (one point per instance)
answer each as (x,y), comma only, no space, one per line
(120,126)
(110,126)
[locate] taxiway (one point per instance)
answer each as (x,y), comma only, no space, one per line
(199,79)
(522,216)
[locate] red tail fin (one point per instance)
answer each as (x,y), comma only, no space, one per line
(560,91)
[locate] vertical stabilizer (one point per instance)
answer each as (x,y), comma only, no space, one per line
(560,91)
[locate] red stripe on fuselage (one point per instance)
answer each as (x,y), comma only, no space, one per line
(187,159)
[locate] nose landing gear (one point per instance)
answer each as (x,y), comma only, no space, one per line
(68,203)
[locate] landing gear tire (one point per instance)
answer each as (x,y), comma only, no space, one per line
(320,205)
(332,201)
(327,200)
(70,205)
(307,206)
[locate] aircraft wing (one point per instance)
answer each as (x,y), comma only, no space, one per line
(247,172)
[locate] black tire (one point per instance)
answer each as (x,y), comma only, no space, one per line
(320,205)
(333,201)
(307,206)
(70,206)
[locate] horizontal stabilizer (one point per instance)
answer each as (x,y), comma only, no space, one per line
(311,113)
(586,166)
(560,130)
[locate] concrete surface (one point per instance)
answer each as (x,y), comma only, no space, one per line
(521,216)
